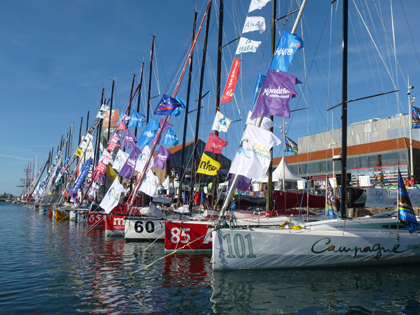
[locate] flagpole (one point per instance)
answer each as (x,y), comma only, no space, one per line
(410,104)
(166,118)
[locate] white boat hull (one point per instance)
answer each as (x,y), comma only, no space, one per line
(147,229)
(270,248)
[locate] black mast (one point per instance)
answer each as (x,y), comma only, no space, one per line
(344,113)
(218,82)
(181,170)
(138,99)
(150,79)
(110,110)
(200,91)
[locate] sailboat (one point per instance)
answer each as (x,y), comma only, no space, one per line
(338,242)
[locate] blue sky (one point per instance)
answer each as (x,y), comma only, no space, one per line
(56,56)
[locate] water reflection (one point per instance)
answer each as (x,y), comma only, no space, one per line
(320,291)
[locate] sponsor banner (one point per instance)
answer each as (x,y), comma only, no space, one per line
(114,223)
(231,81)
(179,234)
(387,198)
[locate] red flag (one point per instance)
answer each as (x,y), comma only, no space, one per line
(122,126)
(231,81)
(101,168)
(215,144)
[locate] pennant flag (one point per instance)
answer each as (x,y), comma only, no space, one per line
(266,123)
(101,115)
(161,157)
(170,138)
(208,166)
(405,210)
(177,111)
(100,168)
(290,146)
(215,144)
(129,140)
(136,120)
(149,132)
(254,23)
(243,182)
(332,206)
(253,156)
(120,160)
(142,159)
(122,126)
(150,184)
(275,94)
(104,108)
(106,157)
(257,4)
(166,127)
(111,173)
(286,48)
(221,123)
(113,142)
(112,196)
(166,105)
(82,176)
(233,205)
(127,171)
(231,81)
(247,45)
(415,117)
(260,81)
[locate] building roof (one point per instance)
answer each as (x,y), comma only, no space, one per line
(175,149)
(373,147)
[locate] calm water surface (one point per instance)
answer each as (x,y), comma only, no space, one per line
(64,268)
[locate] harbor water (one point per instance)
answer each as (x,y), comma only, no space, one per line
(66,268)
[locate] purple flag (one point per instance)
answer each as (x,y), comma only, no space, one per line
(129,141)
(127,171)
(161,157)
(166,127)
(243,182)
(275,94)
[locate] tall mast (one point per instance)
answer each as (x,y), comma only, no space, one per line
(110,110)
(184,136)
(270,166)
(139,96)
(218,83)
(99,133)
(344,113)
(200,91)
(150,79)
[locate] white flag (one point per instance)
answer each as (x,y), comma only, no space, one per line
(120,160)
(142,159)
(150,184)
(112,196)
(257,4)
(254,23)
(265,124)
(253,157)
(221,123)
(101,115)
(247,45)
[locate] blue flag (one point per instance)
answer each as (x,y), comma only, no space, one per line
(136,120)
(170,138)
(149,132)
(260,81)
(405,210)
(82,176)
(286,48)
(290,146)
(177,111)
(166,105)
(415,117)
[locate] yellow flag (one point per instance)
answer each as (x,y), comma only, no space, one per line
(208,166)
(111,173)
(78,152)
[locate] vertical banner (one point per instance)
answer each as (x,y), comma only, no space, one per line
(231,81)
